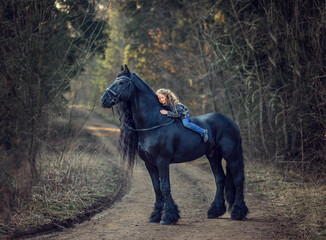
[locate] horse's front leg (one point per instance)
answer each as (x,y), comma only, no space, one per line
(170,211)
(159,203)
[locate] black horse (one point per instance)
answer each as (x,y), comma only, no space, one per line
(160,141)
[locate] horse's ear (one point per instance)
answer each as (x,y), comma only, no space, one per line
(122,69)
(127,70)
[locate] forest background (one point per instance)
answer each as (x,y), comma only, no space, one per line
(260,62)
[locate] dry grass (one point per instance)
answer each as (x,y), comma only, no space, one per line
(302,201)
(72,179)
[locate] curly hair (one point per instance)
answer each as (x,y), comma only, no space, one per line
(171,98)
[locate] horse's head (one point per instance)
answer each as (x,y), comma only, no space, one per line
(121,89)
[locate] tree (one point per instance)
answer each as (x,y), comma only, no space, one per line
(261,62)
(44,45)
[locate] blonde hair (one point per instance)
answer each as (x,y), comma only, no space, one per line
(171,98)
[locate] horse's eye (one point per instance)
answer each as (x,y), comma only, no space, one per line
(121,82)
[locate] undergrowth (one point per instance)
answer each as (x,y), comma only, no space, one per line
(293,196)
(298,199)
(74,174)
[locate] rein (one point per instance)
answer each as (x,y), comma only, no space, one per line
(143,129)
(147,129)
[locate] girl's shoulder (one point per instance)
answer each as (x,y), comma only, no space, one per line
(181,107)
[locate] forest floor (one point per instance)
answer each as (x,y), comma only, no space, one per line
(271,215)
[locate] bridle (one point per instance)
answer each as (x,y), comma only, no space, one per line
(114,95)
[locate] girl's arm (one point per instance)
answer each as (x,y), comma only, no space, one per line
(177,111)
(174,113)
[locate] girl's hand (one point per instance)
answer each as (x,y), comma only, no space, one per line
(164,112)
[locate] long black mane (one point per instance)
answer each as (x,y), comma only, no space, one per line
(128,142)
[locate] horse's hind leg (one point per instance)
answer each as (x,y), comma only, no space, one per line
(229,189)
(235,164)
(159,203)
(217,208)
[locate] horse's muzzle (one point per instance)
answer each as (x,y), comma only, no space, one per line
(107,101)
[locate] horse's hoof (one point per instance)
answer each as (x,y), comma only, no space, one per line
(170,215)
(239,213)
(155,219)
(212,215)
(215,212)
(165,222)
(156,215)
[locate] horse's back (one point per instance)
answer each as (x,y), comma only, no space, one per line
(216,121)
(183,145)
(224,132)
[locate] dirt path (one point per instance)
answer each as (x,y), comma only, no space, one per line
(193,190)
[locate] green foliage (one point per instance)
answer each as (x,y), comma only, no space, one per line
(102,71)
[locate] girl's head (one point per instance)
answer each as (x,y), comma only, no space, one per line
(166,97)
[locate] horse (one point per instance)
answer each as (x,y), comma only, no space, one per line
(160,141)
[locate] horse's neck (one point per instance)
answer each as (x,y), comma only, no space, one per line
(146,110)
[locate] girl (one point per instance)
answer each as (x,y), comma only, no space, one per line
(177,110)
